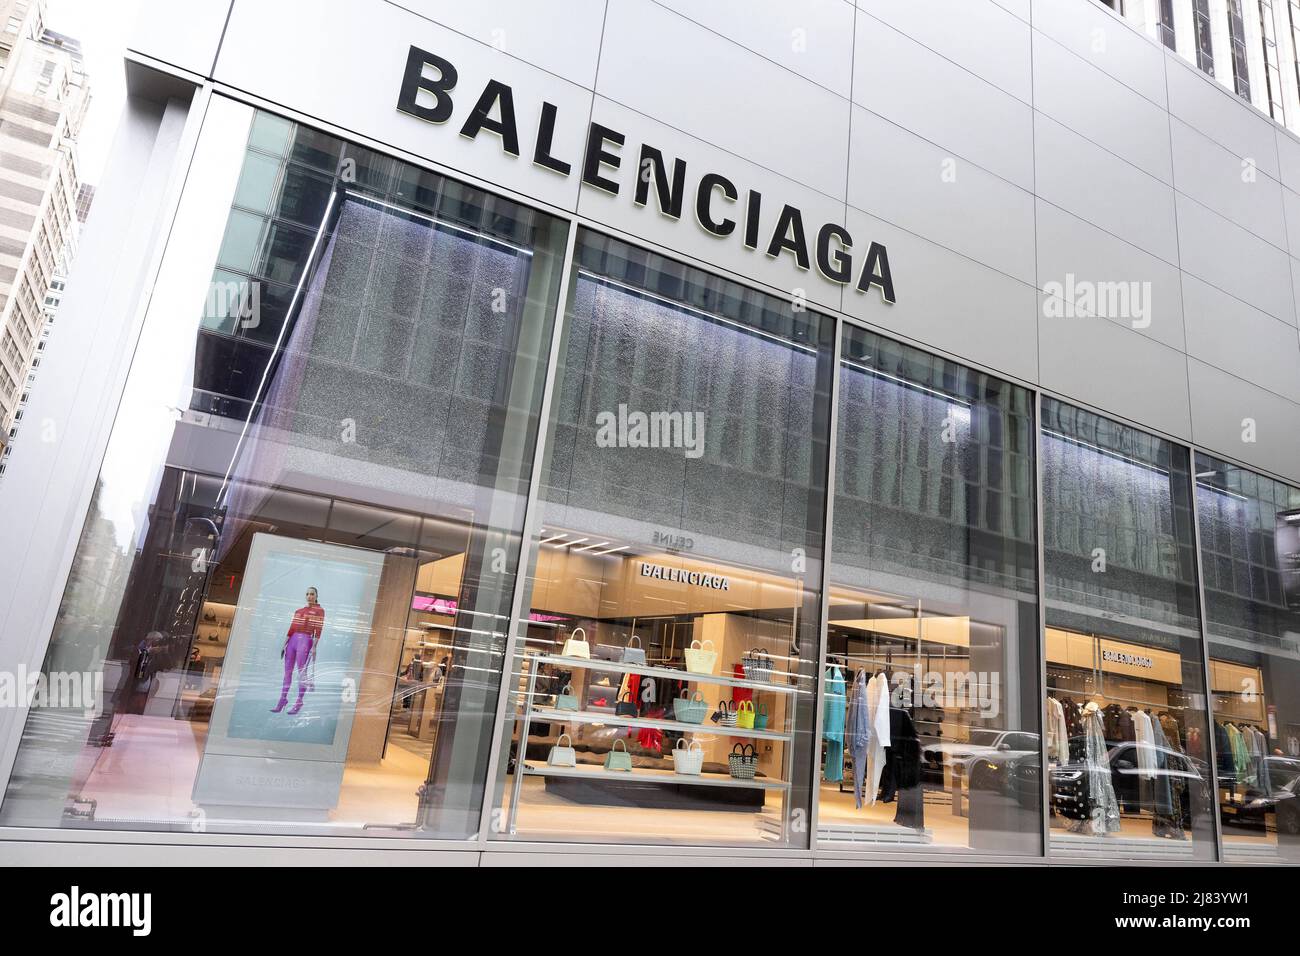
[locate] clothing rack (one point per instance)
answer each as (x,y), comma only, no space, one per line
(1075,695)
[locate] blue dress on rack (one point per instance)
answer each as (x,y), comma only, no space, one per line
(833,712)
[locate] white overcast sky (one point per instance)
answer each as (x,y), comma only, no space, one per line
(103,27)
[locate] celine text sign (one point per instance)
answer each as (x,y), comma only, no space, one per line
(426,93)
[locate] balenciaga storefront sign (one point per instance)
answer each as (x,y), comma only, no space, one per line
(426,93)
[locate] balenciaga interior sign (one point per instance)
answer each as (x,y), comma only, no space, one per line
(426,93)
(1122,657)
(714,582)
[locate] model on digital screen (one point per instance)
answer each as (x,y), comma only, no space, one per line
(299,650)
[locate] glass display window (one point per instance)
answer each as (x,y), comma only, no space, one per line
(289,587)
(1125,715)
(929,729)
(665,672)
(1250,551)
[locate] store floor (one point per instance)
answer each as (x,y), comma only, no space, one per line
(836,816)
(545,816)
(146,777)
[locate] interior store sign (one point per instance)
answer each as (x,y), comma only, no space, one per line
(1122,657)
(714,582)
(719,209)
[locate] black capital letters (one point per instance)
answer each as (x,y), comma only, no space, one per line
(703,198)
(837,264)
(789,235)
(670,194)
(480,117)
(597,156)
(875,271)
(753,204)
(545,136)
(414,80)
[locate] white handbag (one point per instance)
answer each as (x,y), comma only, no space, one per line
(633,655)
(562,756)
(688,759)
(701,660)
(575,646)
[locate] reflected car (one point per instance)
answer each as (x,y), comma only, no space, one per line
(1011,773)
(1069,782)
(1280,800)
(938,754)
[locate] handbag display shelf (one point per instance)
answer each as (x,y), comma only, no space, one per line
(665,776)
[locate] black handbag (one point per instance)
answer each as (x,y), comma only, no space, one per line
(625,707)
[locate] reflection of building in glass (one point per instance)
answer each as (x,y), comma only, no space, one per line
(1248,525)
(44,93)
(632,530)
(288,447)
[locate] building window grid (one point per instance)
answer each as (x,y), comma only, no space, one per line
(1165,27)
(1272,61)
(1204,37)
(1237,36)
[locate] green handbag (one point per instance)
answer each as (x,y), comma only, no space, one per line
(690,710)
(566,699)
(760,718)
(618,758)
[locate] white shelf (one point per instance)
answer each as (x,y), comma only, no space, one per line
(590,717)
(668,673)
(532,769)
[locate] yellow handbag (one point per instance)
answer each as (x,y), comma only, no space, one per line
(745,714)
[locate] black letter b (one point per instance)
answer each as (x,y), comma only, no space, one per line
(414,80)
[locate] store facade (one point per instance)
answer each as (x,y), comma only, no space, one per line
(512,444)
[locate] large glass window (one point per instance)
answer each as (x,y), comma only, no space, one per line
(299,556)
(930,715)
(664,683)
(1125,711)
(1250,553)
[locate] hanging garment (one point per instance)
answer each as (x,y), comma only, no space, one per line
(1146,755)
(1103,808)
(1058,734)
(857,730)
(1049,726)
(1074,724)
(1259,751)
(903,768)
(1117,723)
(878,707)
(1195,743)
(1240,755)
(833,709)
(1223,750)
(1173,733)
(1167,814)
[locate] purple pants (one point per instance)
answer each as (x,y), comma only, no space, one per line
(296,654)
